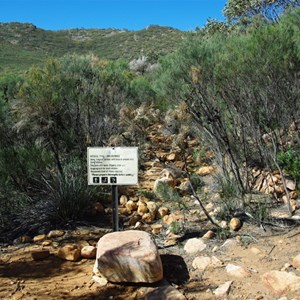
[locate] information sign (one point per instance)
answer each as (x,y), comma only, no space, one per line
(112,166)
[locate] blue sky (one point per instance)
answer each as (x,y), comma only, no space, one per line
(120,14)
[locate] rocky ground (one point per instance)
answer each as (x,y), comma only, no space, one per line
(244,260)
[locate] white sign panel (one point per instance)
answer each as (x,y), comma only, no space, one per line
(112,166)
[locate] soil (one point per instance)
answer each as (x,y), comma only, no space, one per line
(259,250)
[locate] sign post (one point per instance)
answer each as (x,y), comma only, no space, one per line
(113,166)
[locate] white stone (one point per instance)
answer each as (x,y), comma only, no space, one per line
(296,262)
(290,184)
(237,271)
(194,245)
(223,290)
(88,252)
(128,256)
(100,280)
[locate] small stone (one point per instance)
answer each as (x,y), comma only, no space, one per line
(223,290)
(205,170)
(39,238)
(40,254)
(194,245)
(296,262)
(163,211)
(290,184)
(131,206)
(101,281)
(237,271)
(69,252)
(285,267)
(123,200)
(55,234)
(223,224)
(142,209)
(156,228)
(148,217)
(88,252)
(172,156)
(215,249)
(209,235)
(166,292)
(152,207)
(46,243)
(216,262)
(235,224)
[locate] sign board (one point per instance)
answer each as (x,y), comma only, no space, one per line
(112,166)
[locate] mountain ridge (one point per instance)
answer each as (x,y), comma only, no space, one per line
(24,44)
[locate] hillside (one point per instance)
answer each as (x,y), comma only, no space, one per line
(23,44)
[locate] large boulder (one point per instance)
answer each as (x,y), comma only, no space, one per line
(128,256)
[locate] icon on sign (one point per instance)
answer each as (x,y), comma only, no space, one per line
(104,179)
(96,179)
(113,179)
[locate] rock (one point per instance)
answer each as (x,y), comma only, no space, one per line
(168,178)
(69,252)
(165,292)
(128,256)
(209,235)
(185,187)
(172,156)
(39,238)
(194,245)
(229,243)
(82,243)
(290,184)
(216,262)
(148,217)
(205,170)
(131,206)
(40,254)
(162,211)
(134,219)
(279,283)
(293,195)
(55,234)
(156,228)
(101,281)
(237,271)
(223,224)
(201,263)
(88,252)
(142,209)
(123,200)
(235,224)
(152,207)
(169,219)
(223,290)
(46,243)
(296,262)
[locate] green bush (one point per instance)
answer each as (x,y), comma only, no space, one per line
(289,160)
